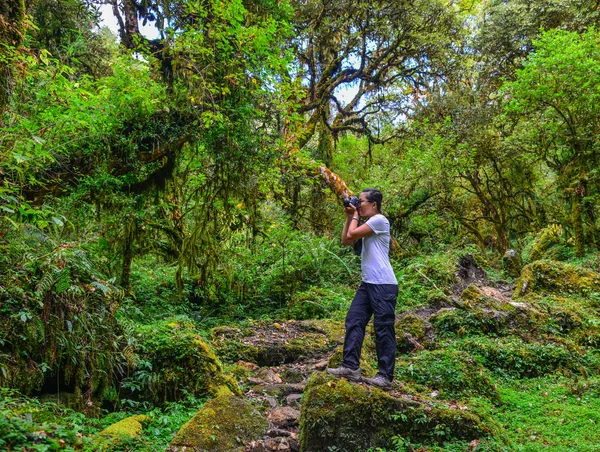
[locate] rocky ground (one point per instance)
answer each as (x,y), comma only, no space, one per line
(279,387)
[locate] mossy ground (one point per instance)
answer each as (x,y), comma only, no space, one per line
(526,367)
(546,414)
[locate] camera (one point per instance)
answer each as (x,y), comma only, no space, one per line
(351,200)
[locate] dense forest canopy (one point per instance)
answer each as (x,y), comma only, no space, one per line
(201,172)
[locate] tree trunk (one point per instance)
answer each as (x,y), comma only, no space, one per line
(576,221)
(128,254)
(12,16)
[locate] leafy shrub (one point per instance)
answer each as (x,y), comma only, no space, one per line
(264,279)
(428,276)
(57,321)
(453,373)
(512,357)
(169,360)
(27,424)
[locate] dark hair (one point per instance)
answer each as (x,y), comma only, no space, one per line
(374,195)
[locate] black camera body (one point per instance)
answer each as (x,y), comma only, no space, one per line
(352,200)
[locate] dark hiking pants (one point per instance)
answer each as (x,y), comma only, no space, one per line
(379,301)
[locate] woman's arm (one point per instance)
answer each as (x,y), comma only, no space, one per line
(356,232)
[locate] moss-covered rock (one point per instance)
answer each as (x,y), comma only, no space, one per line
(558,277)
(180,361)
(452,373)
(484,310)
(412,331)
(271,344)
(127,428)
(226,423)
(512,263)
(353,417)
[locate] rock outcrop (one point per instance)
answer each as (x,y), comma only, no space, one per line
(226,423)
(180,361)
(347,416)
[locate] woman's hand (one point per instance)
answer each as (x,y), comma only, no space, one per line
(351,210)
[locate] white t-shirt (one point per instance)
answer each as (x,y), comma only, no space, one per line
(375,261)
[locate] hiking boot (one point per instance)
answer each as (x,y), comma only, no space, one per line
(379,381)
(349,374)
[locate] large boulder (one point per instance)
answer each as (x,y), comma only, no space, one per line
(226,423)
(170,360)
(346,416)
(557,277)
(486,310)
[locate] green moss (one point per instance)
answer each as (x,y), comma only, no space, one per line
(420,330)
(226,423)
(544,241)
(454,373)
(483,314)
(131,426)
(351,417)
(181,361)
(557,277)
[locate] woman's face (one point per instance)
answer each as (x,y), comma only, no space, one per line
(366,208)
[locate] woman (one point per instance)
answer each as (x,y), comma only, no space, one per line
(376,295)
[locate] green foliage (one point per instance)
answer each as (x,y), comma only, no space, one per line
(57,316)
(27,424)
(270,277)
(36,426)
(451,372)
(319,303)
(513,357)
(425,278)
(167,360)
(542,413)
(556,93)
